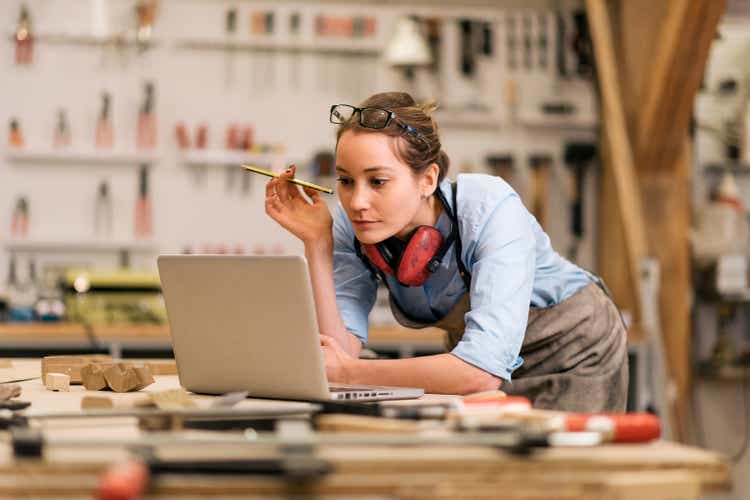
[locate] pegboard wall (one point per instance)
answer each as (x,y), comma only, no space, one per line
(527,96)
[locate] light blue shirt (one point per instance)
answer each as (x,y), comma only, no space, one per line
(512,264)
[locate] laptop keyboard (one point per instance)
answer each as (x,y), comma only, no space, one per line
(350,388)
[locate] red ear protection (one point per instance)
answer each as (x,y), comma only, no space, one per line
(417,260)
(413,261)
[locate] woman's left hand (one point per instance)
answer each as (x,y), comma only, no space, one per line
(338,362)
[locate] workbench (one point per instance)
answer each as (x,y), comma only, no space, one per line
(639,472)
(44,338)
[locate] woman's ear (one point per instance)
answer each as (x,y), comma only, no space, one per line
(430,179)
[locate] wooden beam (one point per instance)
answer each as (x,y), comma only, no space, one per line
(617,143)
(666,195)
(679,57)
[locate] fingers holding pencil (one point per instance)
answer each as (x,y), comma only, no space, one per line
(286,190)
(310,221)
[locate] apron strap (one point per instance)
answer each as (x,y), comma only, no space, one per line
(465,274)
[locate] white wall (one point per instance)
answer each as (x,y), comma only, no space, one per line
(191,87)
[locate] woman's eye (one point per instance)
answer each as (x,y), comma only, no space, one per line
(378,182)
(344,181)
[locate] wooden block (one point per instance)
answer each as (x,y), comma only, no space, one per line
(362,423)
(173,399)
(57,382)
(119,401)
(70,365)
(121,377)
(92,376)
(9,391)
(145,378)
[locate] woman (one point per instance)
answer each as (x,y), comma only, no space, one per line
(466,256)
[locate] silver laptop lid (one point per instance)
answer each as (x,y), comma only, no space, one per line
(244,323)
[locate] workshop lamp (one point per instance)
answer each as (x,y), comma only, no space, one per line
(407,49)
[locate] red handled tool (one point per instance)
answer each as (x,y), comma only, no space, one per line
(617,427)
(124,481)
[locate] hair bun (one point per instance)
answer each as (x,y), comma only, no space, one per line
(428,107)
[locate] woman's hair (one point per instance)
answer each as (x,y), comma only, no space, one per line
(417,154)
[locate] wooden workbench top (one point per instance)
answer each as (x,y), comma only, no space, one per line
(57,330)
(405,471)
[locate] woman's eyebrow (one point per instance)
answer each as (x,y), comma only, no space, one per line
(368,169)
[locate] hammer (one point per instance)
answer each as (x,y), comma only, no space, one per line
(577,157)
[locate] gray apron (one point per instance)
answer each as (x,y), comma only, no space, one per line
(575,353)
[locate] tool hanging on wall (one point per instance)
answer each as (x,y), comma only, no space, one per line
(230,28)
(145,15)
(233,143)
(24,37)
(201,136)
(320,27)
(104,129)
(262,27)
(269,65)
(19,222)
(511,42)
(542,40)
(15,136)
(582,45)
(528,59)
(322,166)
(295,24)
(103,211)
(502,165)
(561,45)
(143,222)
(62,131)
(511,99)
(256,29)
(541,168)
(467,62)
(22,295)
(485,48)
(146,130)
(355,64)
(577,157)
(433,29)
(181,136)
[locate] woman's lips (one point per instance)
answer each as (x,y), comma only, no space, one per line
(364,223)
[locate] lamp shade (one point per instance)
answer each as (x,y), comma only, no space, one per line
(407,47)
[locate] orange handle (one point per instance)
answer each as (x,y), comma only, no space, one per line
(124,481)
(620,427)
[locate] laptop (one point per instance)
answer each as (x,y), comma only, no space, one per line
(248,323)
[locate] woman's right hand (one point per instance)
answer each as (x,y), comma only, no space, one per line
(310,222)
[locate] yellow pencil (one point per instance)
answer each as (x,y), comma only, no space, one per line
(293,181)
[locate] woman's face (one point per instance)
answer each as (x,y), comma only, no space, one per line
(380,194)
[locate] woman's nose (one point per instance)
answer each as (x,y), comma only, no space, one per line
(360,199)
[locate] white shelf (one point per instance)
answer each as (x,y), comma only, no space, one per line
(81,246)
(223,157)
(100,157)
(354,47)
(113,40)
(462,118)
(573,121)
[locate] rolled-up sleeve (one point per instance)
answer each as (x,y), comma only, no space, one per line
(502,264)
(355,285)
